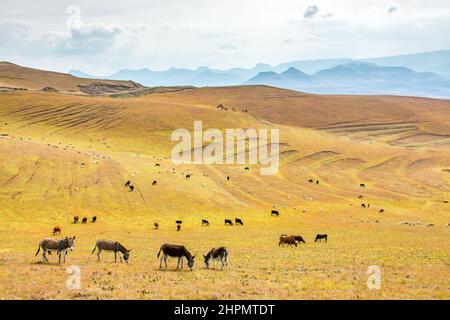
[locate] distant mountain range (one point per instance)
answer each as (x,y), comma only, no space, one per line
(422,74)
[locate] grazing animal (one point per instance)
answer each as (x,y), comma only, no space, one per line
(317,182)
(156,225)
(127,184)
(430,225)
(116,247)
(131,188)
(228,178)
(75,219)
(275,213)
(157,165)
(247,168)
(228,222)
(84,220)
(238,222)
(311,180)
(381,211)
(216,254)
(299,239)
(176,251)
(178,222)
(205,222)
(56,230)
(360,197)
(94,219)
(178,227)
(362,185)
(154,182)
(319,237)
(363,205)
(188,176)
(285,239)
(61,246)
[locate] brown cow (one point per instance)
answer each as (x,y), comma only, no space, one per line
(75,219)
(285,239)
(56,230)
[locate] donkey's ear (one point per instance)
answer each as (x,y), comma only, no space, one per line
(204,256)
(73,238)
(130,250)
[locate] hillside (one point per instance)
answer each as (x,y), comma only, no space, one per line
(71,154)
(14,77)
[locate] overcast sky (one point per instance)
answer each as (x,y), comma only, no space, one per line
(101,37)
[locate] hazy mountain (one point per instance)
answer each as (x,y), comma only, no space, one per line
(413,74)
(434,61)
(359,78)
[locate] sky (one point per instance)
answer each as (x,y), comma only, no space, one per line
(100,37)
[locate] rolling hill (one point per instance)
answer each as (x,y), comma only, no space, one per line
(70,154)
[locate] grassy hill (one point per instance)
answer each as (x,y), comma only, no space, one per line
(67,155)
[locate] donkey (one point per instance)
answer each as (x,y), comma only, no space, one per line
(217,254)
(109,245)
(59,245)
(172,250)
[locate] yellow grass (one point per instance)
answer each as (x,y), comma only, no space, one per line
(398,147)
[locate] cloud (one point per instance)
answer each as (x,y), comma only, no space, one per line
(228,46)
(392,8)
(311,12)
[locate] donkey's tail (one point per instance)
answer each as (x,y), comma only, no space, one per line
(39,249)
(94,249)
(159,252)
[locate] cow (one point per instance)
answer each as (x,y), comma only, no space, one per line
(216,254)
(247,168)
(127,184)
(381,211)
(154,182)
(238,222)
(156,225)
(360,197)
(56,230)
(131,188)
(94,219)
(178,227)
(205,222)
(116,247)
(320,236)
(157,165)
(299,239)
(275,213)
(188,176)
(317,181)
(176,251)
(61,246)
(228,178)
(75,219)
(285,239)
(228,222)
(362,185)
(311,180)
(178,222)
(84,220)
(363,205)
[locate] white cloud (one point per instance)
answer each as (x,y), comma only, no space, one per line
(392,8)
(311,12)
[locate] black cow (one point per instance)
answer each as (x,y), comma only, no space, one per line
(94,219)
(299,239)
(311,180)
(127,184)
(178,222)
(381,211)
(188,176)
(228,222)
(363,205)
(317,182)
(156,225)
(131,188)
(275,213)
(154,182)
(205,222)
(319,237)
(362,185)
(84,220)
(178,227)
(238,222)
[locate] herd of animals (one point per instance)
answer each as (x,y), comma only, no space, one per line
(62,246)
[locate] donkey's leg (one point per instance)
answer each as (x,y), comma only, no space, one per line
(59,256)
(115,256)
(222,261)
(161,261)
(65,254)
(165,260)
(182,260)
(178,263)
(98,254)
(214,263)
(44,255)
(120,257)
